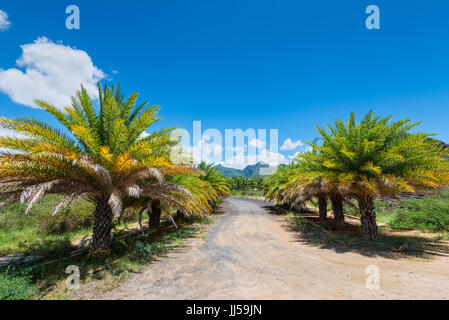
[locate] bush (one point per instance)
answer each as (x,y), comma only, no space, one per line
(12,217)
(430,213)
(17,286)
(149,250)
(130,216)
(74,217)
(67,220)
(427,214)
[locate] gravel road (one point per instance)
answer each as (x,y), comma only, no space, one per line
(249,254)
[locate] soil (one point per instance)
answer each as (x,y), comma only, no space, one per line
(250,253)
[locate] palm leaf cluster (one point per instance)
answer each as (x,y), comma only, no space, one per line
(103,154)
(362,160)
(217,180)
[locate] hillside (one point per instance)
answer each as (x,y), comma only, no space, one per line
(251,171)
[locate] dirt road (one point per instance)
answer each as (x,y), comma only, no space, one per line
(249,254)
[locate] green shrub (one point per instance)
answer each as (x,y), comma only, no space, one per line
(74,217)
(67,220)
(17,286)
(147,249)
(12,217)
(427,214)
(430,213)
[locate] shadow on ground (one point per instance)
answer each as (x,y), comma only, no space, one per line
(390,244)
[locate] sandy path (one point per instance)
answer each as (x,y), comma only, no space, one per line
(249,254)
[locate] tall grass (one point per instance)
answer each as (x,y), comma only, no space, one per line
(429,214)
(40,230)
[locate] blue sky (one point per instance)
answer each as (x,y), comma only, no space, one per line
(287,65)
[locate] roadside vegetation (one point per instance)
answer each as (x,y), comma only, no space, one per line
(358,162)
(131,251)
(428,214)
(108,195)
(98,175)
(246,187)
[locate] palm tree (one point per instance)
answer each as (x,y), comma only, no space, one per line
(277,187)
(305,181)
(274,185)
(217,180)
(208,186)
(105,159)
(189,194)
(377,156)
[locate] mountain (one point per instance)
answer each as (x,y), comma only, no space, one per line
(229,172)
(251,171)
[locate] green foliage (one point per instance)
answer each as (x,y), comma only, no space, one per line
(40,231)
(276,185)
(377,156)
(68,220)
(362,160)
(242,183)
(434,217)
(74,217)
(148,249)
(217,180)
(17,285)
(107,158)
(430,213)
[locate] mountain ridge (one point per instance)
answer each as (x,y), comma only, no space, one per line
(250,171)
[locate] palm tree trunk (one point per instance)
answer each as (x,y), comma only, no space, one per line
(101,238)
(155,215)
(322,205)
(368,217)
(337,209)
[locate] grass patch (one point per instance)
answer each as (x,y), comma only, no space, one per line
(390,243)
(428,214)
(42,232)
(44,280)
(52,238)
(16,284)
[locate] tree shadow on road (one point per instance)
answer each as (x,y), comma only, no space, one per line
(307,229)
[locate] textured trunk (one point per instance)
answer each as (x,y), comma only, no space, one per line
(322,205)
(101,239)
(155,215)
(368,217)
(337,209)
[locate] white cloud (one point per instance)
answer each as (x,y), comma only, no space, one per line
(306,149)
(291,145)
(12,134)
(211,152)
(205,150)
(4,22)
(53,73)
(143,135)
(237,149)
(294,156)
(256,143)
